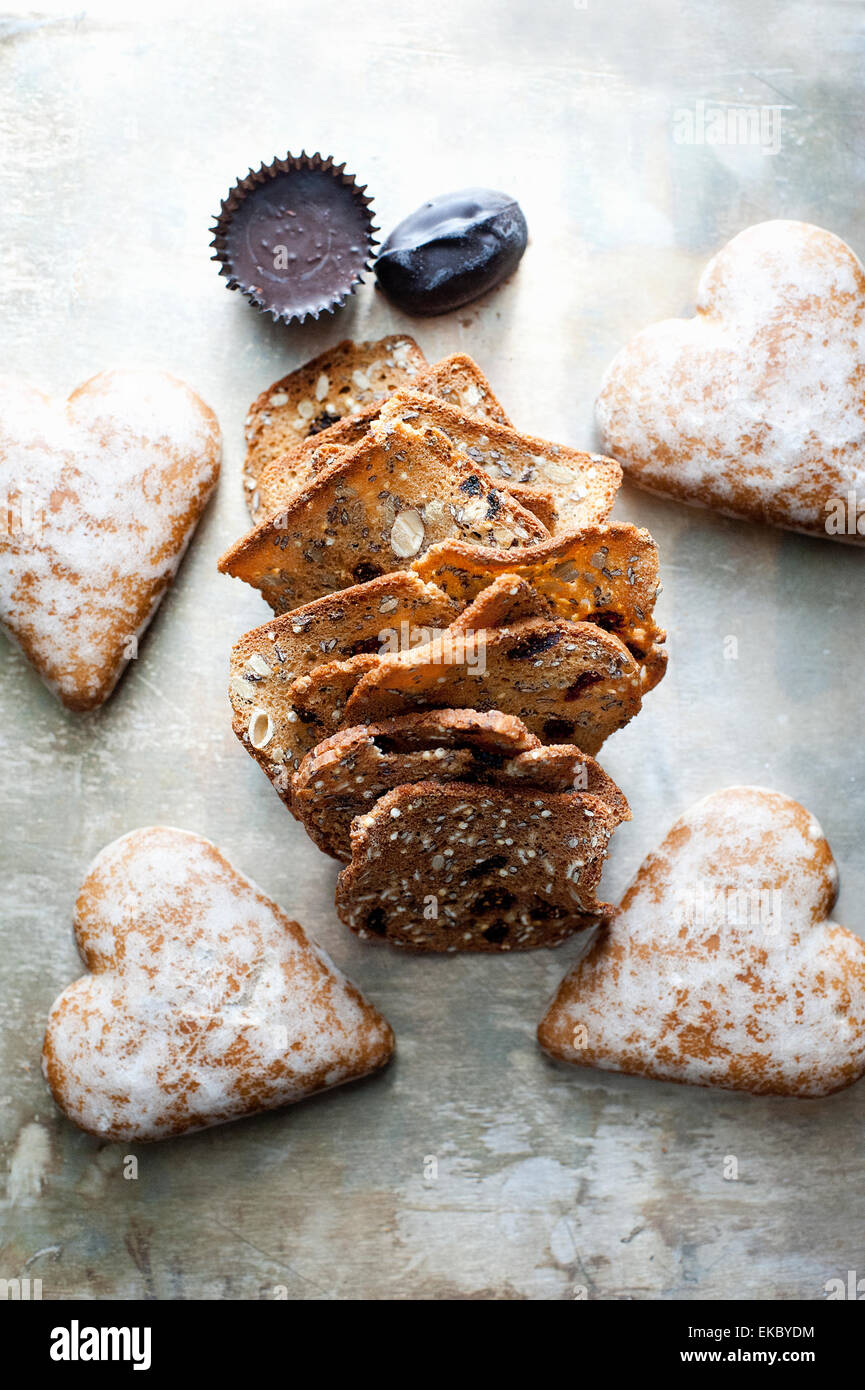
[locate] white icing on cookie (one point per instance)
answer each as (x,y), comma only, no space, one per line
(756,406)
(102,493)
(203,1002)
(720,966)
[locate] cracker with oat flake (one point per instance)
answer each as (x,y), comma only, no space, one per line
(604,574)
(385,503)
(345,775)
(567,682)
(342,381)
(457,379)
(458,867)
(582,486)
(572,489)
(268,662)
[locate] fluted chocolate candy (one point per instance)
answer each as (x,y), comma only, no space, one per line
(453,249)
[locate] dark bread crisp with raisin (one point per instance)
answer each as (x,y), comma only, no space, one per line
(384,503)
(460,867)
(346,774)
(319,700)
(341,381)
(567,682)
(319,697)
(603,574)
(266,662)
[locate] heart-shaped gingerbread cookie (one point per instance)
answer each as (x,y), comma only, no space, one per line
(102,493)
(720,967)
(756,406)
(203,1002)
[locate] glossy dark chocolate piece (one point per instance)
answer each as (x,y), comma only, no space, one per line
(453,249)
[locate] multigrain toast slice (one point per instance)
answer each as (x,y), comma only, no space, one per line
(396,609)
(459,867)
(287,470)
(385,503)
(346,774)
(568,682)
(604,574)
(341,381)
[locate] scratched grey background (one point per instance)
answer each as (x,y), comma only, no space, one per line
(119,132)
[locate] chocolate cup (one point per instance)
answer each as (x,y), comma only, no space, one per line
(295,237)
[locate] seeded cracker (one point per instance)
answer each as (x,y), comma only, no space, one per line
(458,867)
(459,381)
(340,382)
(567,488)
(583,486)
(606,575)
(567,682)
(288,470)
(269,660)
(368,514)
(348,772)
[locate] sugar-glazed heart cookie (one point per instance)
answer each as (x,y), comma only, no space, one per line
(720,967)
(203,1002)
(101,494)
(756,406)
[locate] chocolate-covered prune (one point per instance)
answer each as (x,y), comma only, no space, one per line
(451,250)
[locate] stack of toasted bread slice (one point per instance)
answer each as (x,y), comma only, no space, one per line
(457,630)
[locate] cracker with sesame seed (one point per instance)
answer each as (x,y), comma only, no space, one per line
(460,867)
(582,486)
(346,774)
(565,487)
(457,379)
(568,682)
(384,503)
(267,661)
(506,600)
(341,381)
(285,477)
(606,575)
